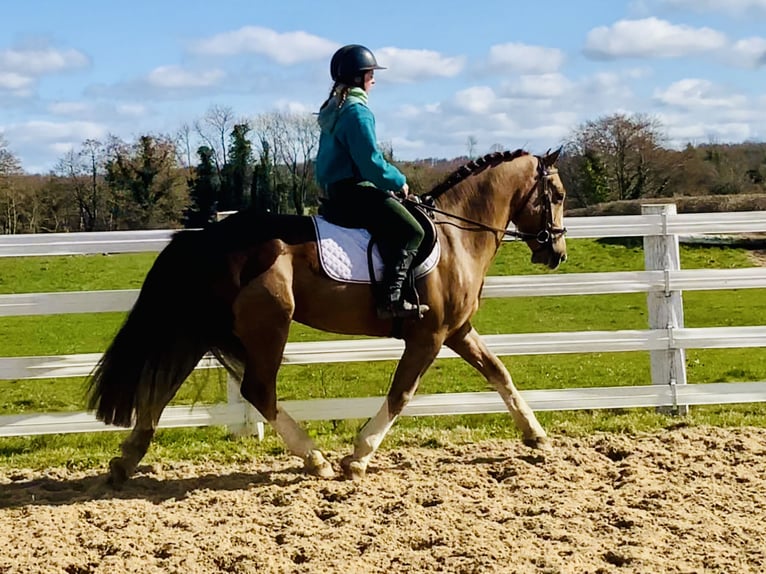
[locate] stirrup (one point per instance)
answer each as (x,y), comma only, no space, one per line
(402,309)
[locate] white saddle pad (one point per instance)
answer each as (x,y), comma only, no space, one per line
(343,253)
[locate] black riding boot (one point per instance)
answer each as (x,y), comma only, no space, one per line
(394,305)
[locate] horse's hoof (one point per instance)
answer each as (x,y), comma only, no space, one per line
(353,469)
(539,443)
(316,464)
(118,474)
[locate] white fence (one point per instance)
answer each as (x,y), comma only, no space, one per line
(666,339)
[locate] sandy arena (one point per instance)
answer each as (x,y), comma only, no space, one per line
(686,500)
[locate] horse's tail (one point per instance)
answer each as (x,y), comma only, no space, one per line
(176,319)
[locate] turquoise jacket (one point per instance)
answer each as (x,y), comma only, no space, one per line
(348,146)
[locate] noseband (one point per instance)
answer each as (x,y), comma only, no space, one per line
(544,237)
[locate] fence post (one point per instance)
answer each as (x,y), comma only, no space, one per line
(666,309)
(250,424)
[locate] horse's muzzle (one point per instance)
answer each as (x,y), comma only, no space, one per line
(549,256)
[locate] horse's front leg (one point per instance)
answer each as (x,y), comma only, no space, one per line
(417,357)
(468,344)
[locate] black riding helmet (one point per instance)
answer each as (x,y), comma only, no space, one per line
(350,62)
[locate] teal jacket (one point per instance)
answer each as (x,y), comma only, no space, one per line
(348,146)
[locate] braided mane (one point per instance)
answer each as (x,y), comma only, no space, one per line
(474,167)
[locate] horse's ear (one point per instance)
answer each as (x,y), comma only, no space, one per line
(550,158)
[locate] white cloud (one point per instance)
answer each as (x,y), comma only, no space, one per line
(293,107)
(682,129)
(40,61)
(542,86)
(604,85)
(103,110)
(693,93)
(413,65)
(47,132)
(749,52)
(175,77)
(476,100)
(525,58)
(131,110)
(650,38)
(69,108)
(12,81)
(285,48)
(20,68)
(39,144)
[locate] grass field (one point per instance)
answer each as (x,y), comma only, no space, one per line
(83,333)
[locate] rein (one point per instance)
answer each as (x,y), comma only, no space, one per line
(544,236)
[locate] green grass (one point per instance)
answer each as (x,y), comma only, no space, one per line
(85,333)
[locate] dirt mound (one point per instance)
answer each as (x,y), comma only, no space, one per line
(686,500)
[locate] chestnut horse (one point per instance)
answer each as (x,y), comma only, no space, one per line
(234,287)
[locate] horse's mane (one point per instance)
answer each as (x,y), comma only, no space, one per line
(474,167)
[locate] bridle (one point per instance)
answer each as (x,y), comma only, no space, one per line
(544,237)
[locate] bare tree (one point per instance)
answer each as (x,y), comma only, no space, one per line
(268,143)
(300,139)
(214,129)
(470,143)
(494,148)
(9,163)
(84,171)
(624,152)
(9,198)
(185,147)
(292,140)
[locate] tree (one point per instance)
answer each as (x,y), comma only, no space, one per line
(238,171)
(289,142)
(300,139)
(204,191)
(147,182)
(184,147)
(261,190)
(84,171)
(9,163)
(470,144)
(586,177)
(9,197)
(214,129)
(623,151)
(496,148)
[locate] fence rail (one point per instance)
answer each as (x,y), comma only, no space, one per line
(660,278)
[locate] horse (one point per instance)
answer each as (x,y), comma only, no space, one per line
(234,287)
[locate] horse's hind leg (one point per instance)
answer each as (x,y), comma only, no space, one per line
(134,447)
(263,315)
(417,357)
(468,344)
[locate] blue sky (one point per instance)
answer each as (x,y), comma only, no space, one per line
(517,74)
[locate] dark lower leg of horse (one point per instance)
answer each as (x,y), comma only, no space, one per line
(472,349)
(413,364)
(133,450)
(135,446)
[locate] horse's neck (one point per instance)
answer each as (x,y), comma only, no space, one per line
(484,205)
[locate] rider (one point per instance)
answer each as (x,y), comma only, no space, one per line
(359,181)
